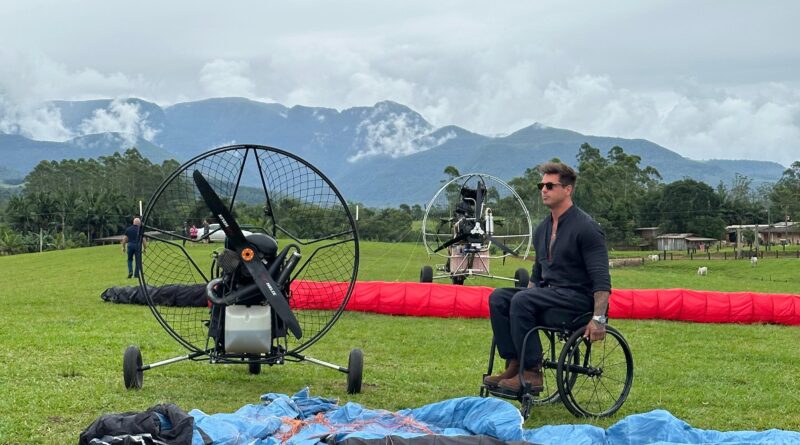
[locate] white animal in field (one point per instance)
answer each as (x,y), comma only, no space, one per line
(654,257)
(754,261)
(702,270)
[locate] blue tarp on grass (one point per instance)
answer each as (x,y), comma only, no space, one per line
(305,420)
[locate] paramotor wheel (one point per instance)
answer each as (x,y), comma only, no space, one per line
(355,371)
(132,368)
(426,274)
(521,278)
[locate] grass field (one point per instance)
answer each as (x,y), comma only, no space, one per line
(62,350)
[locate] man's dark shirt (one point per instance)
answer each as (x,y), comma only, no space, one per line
(132,233)
(579,257)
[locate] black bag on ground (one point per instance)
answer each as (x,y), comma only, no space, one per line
(189,295)
(161,424)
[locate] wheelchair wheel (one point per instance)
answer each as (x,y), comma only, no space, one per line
(594,379)
(551,350)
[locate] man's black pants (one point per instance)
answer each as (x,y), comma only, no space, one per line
(514,311)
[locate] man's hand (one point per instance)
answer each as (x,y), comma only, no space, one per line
(595,331)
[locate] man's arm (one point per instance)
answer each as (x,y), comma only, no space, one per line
(601,302)
(596,330)
(595,255)
(124,242)
(536,278)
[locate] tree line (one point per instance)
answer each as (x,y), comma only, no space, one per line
(70,203)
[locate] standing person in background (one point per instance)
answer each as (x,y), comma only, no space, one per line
(193,232)
(205,231)
(130,245)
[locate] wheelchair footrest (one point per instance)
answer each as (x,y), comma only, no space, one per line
(509,394)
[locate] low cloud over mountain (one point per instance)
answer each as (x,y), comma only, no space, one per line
(385,154)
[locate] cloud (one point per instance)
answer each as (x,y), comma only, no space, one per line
(225,78)
(697,122)
(29,80)
(703,81)
(120,117)
(41,122)
(392,133)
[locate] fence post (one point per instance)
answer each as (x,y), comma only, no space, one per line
(724,255)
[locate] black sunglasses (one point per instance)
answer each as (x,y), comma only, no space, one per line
(549,185)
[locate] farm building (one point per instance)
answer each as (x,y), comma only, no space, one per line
(684,241)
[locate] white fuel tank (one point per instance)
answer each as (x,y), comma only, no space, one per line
(248,329)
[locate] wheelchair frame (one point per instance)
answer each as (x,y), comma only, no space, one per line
(574,369)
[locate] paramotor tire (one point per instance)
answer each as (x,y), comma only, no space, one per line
(355,371)
(426,274)
(132,368)
(521,277)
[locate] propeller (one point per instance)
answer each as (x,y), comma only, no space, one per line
(503,247)
(237,242)
(452,241)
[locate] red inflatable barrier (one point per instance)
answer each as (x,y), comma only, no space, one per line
(705,306)
(446,300)
(416,299)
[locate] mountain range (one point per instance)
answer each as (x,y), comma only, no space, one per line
(381,155)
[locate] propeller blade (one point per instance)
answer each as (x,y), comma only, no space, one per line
(246,252)
(269,288)
(226,220)
(452,241)
(503,247)
(479,200)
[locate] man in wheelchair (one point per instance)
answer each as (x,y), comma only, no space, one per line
(571,273)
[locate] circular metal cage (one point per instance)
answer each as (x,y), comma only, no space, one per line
(288,199)
(511,222)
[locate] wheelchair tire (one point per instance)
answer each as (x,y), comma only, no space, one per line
(551,351)
(594,379)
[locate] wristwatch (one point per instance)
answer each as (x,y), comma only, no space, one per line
(602,319)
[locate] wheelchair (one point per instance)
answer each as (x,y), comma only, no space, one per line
(591,379)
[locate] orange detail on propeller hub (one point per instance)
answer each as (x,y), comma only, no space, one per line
(248,254)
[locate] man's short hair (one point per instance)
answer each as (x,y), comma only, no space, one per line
(566,175)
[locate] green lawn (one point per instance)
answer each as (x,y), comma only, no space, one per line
(62,350)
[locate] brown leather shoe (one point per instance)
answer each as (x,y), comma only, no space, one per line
(533,377)
(512,370)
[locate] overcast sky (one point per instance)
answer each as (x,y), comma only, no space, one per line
(705,79)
